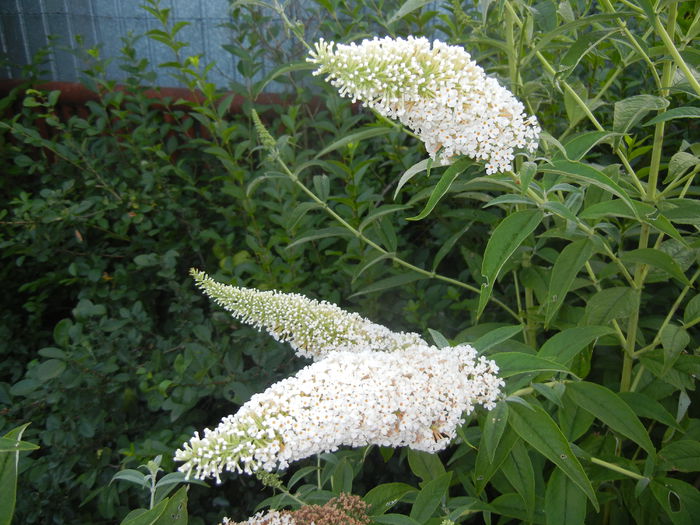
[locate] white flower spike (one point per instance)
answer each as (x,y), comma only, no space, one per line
(313,328)
(413,397)
(437,91)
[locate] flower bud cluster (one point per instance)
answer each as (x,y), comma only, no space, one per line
(313,328)
(413,397)
(345,509)
(437,91)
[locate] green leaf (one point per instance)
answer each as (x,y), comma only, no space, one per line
(8,476)
(430,497)
(674,340)
(379,212)
(496,336)
(332,231)
(564,503)
(407,7)
(512,363)
(520,474)
(675,113)
(644,406)
(566,345)
(589,175)
(425,465)
(290,68)
(681,211)
(130,475)
(448,245)
(49,369)
(494,426)
(682,456)
(680,162)
(569,262)
(605,405)
(12,445)
(680,500)
(485,468)
(611,303)
(645,213)
(691,313)
(656,258)
(382,497)
(581,144)
(537,428)
(389,282)
(630,111)
(407,175)
(443,187)
(394,519)
(439,339)
(504,240)
(353,137)
(175,510)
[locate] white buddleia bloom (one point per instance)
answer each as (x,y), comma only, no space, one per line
(437,91)
(415,397)
(271,517)
(313,328)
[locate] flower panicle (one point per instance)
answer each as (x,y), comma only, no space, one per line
(415,397)
(313,328)
(437,91)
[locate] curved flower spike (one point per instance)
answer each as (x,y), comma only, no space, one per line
(313,328)
(413,397)
(437,91)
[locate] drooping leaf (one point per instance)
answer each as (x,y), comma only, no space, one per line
(568,264)
(644,406)
(520,473)
(504,240)
(411,172)
(563,501)
(656,258)
(425,465)
(680,500)
(630,111)
(430,497)
(607,406)
(353,137)
(407,7)
(675,113)
(442,187)
(388,283)
(494,426)
(536,427)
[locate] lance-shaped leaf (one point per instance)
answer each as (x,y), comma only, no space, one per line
(536,427)
(563,501)
(504,240)
(442,187)
(607,406)
(568,264)
(565,345)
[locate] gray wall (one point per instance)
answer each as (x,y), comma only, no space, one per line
(25,24)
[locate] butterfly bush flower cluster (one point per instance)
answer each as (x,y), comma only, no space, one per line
(437,91)
(312,328)
(409,394)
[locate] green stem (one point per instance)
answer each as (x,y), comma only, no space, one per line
(623,25)
(657,339)
(359,235)
(571,91)
(616,468)
(657,147)
(667,39)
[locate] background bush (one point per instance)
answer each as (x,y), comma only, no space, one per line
(115,358)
